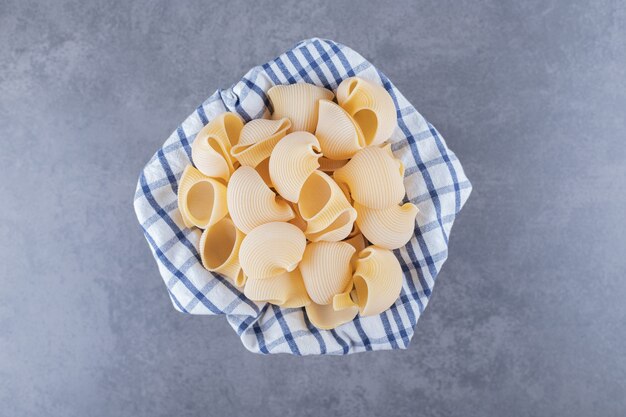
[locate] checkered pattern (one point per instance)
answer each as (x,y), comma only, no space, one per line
(434,181)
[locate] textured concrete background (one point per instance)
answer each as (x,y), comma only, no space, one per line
(528,316)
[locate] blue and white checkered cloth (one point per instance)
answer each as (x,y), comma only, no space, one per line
(434,181)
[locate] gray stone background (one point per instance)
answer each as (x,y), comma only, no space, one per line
(528,317)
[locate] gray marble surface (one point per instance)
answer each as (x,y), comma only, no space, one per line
(528,317)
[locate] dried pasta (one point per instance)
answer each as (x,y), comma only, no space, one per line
(201,199)
(298,103)
(325,317)
(293,160)
(389,228)
(286,290)
(326,210)
(290,204)
(371,107)
(377,280)
(251,203)
(219,250)
(257,140)
(326,270)
(210,150)
(271,249)
(373,177)
(339,135)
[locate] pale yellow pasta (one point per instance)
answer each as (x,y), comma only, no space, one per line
(251,203)
(326,210)
(298,103)
(331,165)
(373,177)
(271,249)
(201,199)
(286,290)
(257,140)
(325,317)
(387,148)
(339,135)
(219,250)
(345,299)
(389,228)
(377,280)
(293,160)
(263,168)
(371,106)
(210,150)
(326,270)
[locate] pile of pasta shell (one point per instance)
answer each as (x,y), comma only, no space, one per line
(304,209)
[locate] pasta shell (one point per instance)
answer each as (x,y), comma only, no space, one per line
(298,103)
(210,150)
(326,210)
(219,250)
(339,135)
(389,228)
(379,274)
(271,249)
(371,106)
(201,200)
(345,299)
(373,178)
(286,290)
(331,165)
(293,159)
(258,138)
(326,318)
(251,203)
(326,270)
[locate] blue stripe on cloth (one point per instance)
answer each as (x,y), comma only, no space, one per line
(316,67)
(301,71)
(286,331)
(326,58)
(444,155)
(268,69)
(316,333)
(184,141)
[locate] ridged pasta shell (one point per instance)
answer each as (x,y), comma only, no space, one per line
(389,228)
(326,270)
(377,280)
(286,290)
(339,135)
(251,203)
(326,210)
(293,159)
(326,318)
(371,106)
(331,165)
(201,199)
(373,178)
(271,249)
(219,250)
(257,140)
(298,103)
(210,150)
